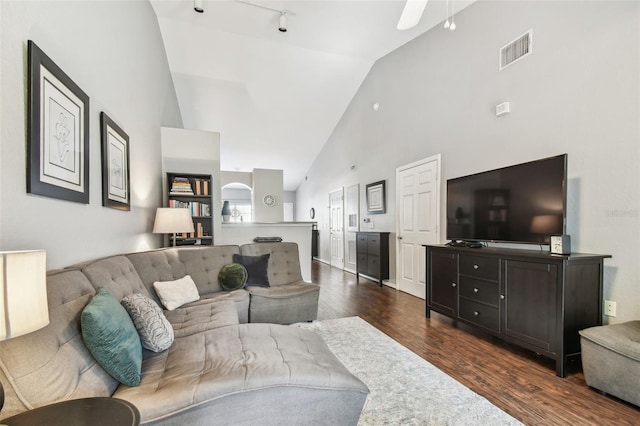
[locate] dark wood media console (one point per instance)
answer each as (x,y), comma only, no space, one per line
(529,298)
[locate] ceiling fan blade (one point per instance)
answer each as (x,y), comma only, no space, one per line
(411,14)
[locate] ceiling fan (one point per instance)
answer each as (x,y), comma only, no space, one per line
(411,14)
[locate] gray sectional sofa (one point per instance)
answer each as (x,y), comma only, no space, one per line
(230,362)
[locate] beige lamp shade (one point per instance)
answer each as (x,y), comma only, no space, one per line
(170,221)
(23,292)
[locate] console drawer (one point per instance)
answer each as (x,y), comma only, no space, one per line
(373,244)
(482,315)
(479,290)
(487,268)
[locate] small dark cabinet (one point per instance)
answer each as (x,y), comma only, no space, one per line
(529,298)
(444,289)
(372,255)
(314,241)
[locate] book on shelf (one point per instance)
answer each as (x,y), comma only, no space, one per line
(181,186)
(198,184)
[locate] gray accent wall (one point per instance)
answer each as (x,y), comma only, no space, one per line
(577,93)
(114,51)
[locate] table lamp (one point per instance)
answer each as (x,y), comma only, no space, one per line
(172,220)
(23,295)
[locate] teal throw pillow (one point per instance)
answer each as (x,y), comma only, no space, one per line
(232,276)
(111,337)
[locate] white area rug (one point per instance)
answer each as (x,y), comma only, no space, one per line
(405,389)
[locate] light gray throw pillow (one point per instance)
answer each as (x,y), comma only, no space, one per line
(156,333)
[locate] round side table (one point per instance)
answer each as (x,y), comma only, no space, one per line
(80,412)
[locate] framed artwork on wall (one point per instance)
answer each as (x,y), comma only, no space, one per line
(376,203)
(115,165)
(57,132)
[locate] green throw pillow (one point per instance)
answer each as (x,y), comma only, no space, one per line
(111,337)
(232,276)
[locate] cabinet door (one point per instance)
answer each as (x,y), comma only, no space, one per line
(530,303)
(443,282)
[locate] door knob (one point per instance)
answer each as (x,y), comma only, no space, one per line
(399,237)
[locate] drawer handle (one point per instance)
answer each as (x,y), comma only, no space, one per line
(475,266)
(502,296)
(475,290)
(476,313)
(453,284)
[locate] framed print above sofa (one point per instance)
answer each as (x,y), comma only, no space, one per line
(57,132)
(115,165)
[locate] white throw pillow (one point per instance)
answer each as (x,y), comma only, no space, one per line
(156,333)
(174,294)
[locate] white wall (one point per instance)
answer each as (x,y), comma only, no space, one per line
(114,52)
(578,92)
(267,182)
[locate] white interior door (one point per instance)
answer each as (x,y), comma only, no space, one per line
(336,228)
(418,212)
(352,225)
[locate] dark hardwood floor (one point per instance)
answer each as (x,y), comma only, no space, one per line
(518,381)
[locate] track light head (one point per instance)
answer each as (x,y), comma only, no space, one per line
(198,6)
(283,22)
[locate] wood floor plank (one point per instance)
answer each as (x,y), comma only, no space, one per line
(518,381)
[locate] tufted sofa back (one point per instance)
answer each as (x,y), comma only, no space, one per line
(284,262)
(57,364)
(202,263)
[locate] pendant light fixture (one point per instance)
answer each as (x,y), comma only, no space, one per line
(283,22)
(452,27)
(447,24)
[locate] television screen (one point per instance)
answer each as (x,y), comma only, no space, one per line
(525,203)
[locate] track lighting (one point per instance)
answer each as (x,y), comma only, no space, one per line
(283,22)
(282,27)
(198,6)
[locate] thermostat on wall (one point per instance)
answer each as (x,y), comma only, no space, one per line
(502,109)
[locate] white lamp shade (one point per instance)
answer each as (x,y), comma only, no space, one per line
(170,221)
(23,293)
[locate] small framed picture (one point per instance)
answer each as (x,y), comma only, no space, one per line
(376,198)
(58,132)
(115,165)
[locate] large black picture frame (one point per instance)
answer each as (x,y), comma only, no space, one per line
(57,131)
(115,165)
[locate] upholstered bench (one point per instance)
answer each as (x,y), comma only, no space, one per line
(611,359)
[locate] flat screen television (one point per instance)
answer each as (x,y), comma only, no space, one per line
(524,203)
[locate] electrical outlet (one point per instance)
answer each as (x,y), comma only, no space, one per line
(609,308)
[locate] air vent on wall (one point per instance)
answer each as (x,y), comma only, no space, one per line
(516,50)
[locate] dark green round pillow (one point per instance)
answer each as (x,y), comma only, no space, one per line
(232,276)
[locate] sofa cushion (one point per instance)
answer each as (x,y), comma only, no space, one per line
(233,276)
(284,304)
(257,269)
(176,293)
(57,364)
(201,316)
(111,337)
(284,261)
(155,331)
(622,338)
(227,362)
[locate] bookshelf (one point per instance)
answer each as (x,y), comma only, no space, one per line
(192,191)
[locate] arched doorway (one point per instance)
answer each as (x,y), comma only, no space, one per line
(239,197)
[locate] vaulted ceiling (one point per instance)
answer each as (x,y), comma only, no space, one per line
(275,97)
